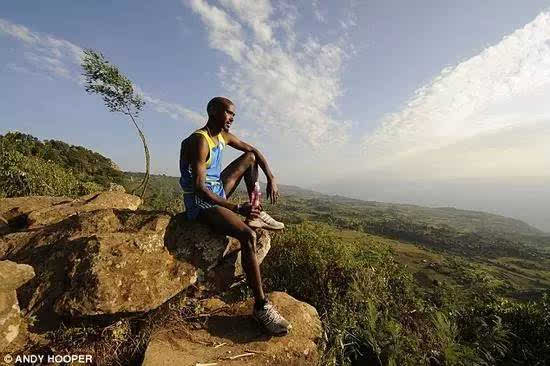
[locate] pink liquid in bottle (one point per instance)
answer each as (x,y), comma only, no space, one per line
(256,196)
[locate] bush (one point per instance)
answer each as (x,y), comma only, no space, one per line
(30,176)
(374,313)
(368,303)
(509,332)
(84,164)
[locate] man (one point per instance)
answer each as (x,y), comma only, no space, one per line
(206,189)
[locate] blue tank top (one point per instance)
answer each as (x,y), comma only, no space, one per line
(213,165)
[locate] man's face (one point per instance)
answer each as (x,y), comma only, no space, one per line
(225,116)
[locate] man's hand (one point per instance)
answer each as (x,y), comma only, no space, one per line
(248,211)
(272,191)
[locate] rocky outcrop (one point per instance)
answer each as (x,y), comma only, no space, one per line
(98,262)
(122,272)
(230,335)
(12,327)
(14,211)
(114,187)
(91,202)
(98,258)
(217,256)
(91,259)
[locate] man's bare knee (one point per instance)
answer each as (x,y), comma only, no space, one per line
(250,157)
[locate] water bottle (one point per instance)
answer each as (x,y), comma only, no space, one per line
(256,196)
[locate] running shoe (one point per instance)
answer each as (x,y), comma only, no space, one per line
(271,320)
(266,222)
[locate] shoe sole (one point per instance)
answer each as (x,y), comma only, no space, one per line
(265,226)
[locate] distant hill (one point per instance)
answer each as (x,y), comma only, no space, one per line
(461,220)
(86,165)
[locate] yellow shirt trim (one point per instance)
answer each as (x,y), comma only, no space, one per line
(211,144)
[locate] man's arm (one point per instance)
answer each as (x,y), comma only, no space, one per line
(235,142)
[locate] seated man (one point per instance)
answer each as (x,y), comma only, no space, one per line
(206,189)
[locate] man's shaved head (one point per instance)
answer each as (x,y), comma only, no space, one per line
(217,102)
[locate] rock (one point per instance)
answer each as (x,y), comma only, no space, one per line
(229,270)
(98,221)
(91,202)
(14,211)
(234,329)
(97,262)
(122,272)
(113,187)
(195,242)
(4,225)
(218,256)
(13,275)
(95,256)
(12,327)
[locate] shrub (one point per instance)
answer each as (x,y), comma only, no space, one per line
(374,313)
(31,176)
(367,302)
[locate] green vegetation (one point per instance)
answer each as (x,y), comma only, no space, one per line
(441,229)
(376,313)
(393,284)
(31,167)
(164,192)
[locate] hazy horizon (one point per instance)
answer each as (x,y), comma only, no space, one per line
(438,104)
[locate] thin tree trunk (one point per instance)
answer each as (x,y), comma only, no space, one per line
(145,180)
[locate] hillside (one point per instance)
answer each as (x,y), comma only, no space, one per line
(29,166)
(460,220)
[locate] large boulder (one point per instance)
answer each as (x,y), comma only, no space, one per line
(14,211)
(122,272)
(91,202)
(12,326)
(228,270)
(231,335)
(92,255)
(217,256)
(95,255)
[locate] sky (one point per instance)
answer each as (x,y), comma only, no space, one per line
(434,102)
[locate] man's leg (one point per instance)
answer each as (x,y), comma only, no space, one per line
(228,223)
(244,166)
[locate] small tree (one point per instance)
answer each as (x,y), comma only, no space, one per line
(118,94)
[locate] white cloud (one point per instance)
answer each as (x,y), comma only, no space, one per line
(18,31)
(255,14)
(317,11)
(174,110)
(55,57)
(50,65)
(224,33)
(505,86)
(288,88)
(18,68)
(516,151)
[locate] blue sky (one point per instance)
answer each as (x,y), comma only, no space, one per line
(337,94)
